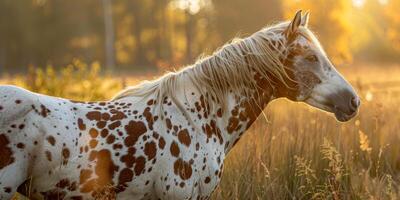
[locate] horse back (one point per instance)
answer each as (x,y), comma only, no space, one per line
(15,103)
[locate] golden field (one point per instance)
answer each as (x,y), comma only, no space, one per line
(295,151)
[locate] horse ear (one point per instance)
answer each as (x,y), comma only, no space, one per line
(305,18)
(294,24)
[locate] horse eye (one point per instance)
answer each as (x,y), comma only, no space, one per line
(312,58)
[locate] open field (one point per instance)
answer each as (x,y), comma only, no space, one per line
(295,151)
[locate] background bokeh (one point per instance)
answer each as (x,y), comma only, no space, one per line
(91,49)
(150,34)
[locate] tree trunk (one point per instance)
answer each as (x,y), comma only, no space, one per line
(189,36)
(109,35)
(140,58)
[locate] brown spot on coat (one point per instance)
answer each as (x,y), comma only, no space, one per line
(20,145)
(7,189)
(117,115)
(81,125)
(134,130)
(48,155)
(101,124)
(150,150)
(104,133)
(105,116)
(168,122)
(93,133)
(44,111)
(84,175)
(129,158)
(114,125)
(174,149)
(140,164)
(65,154)
(232,124)
(149,117)
(110,139)
(183,169)
(63,183)
(51,140)
(125,176)
(184,137)
(93,143)
(212,129)
(6,153)
(104,170)
(21,126)
(207,180)
(94,115)
(117,146)
(219,112)
(161,143)
(54,194)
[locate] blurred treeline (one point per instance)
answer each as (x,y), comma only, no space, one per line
(149,34)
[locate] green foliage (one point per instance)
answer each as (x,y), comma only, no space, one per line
(77,81)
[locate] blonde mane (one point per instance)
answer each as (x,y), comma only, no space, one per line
(230,68)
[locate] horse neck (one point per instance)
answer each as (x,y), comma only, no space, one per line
(229,122)
(244,111)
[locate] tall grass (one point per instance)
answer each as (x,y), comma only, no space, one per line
(302,153)
(296,152)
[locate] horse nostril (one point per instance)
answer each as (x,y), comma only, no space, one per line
(354,103)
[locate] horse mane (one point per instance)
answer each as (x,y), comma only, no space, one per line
(230,68)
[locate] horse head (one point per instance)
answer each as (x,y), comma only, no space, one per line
(312,78)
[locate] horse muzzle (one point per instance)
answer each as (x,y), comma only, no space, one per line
(345,105)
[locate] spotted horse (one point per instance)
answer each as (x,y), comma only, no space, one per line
(167,138)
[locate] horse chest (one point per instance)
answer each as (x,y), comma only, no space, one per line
(209,168)
(189,171)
